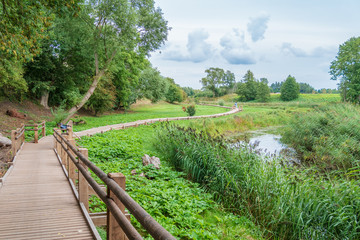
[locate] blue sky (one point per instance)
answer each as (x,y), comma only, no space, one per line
(272,38)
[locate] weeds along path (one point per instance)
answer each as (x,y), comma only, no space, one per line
(92,131)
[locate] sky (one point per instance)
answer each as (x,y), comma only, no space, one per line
(272,38)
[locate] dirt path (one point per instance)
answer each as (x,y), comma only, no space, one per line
(92,131)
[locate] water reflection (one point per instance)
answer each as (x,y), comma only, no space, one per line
(269,145)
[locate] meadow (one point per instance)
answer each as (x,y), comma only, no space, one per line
(232,190)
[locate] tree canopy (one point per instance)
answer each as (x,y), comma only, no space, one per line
(346,68)
(218,81)
(290,89)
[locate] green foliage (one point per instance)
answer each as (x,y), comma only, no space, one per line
(174,93)
(12,84)
(221,102)
(152,85)
(250,88)
(103,99)
(328,137)
(189,91)
(290,89)
(180,206)
(59,114)
(346,67)
(218,81)
(275,87)
(305,88)
(263,92)
(190,110)
(287,203)
(23,25)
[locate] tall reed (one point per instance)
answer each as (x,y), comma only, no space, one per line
(286,203)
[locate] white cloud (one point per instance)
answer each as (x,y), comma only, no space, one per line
(289,49)
(198,50)
(257,27)
(235,50)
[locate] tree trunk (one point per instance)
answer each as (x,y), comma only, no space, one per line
(45,99)
(92,88)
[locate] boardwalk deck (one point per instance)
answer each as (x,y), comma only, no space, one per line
(36,200)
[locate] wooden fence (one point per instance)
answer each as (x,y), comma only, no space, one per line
(18,135)
(76,164)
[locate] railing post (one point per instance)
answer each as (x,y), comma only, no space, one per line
(36,138)
(23,135)
(71,166)
(43,129)
(114,231)
(83,184)
(13,143)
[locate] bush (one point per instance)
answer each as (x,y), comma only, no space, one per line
(190,110)
(221,102)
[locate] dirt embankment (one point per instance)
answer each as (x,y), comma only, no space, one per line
(30,111)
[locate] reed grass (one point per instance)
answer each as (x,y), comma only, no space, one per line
(286,202)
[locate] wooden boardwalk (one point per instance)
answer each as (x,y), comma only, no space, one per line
(36,199)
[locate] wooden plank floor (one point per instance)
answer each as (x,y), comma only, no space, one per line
(36,200)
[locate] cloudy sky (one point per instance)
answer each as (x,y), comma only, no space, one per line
(272,38)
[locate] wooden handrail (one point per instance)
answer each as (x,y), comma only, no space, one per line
(153,227)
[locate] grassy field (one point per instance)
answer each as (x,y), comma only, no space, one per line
(142,112)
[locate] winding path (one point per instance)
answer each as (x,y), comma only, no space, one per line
(92,131)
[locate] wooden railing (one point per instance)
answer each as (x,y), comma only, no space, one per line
(36,128)
(76,164)
(17,139)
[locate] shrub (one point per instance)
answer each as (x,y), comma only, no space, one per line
(221,102)
(190,110)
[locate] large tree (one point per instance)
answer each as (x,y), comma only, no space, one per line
(214,78)
(23,24)
(246,89)
(346,67)
(119,25)
(218,81)
(290,89)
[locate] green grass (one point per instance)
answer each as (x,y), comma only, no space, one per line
(179,205)
(148,111)
(286,202)
(328,137)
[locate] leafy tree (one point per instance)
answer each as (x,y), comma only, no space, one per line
(103,98)
(174,93)
(275,87)
(247,88)
(290,89)
(125,74)
(305,88)
(346,67)
(189,91)
(213,80)
(23,25)
(229,80)
(120,25)
(263,91)
(152,85)
(63,70)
